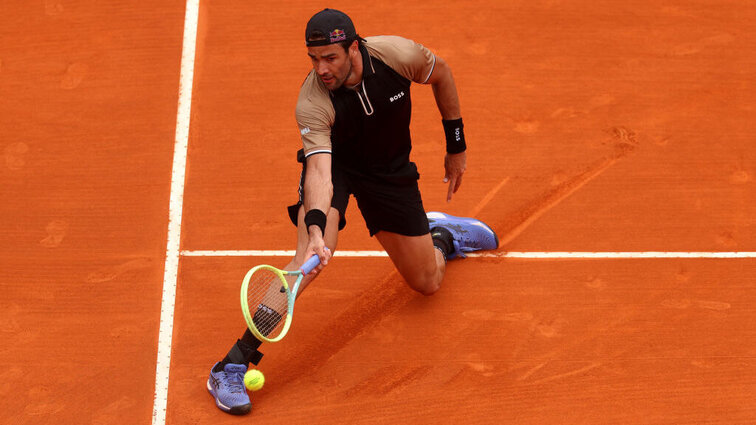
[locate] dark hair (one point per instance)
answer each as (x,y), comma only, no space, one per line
(318,35)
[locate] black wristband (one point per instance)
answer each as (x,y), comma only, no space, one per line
(317,218)
(455,135)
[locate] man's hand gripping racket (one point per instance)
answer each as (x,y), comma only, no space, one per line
(267,300)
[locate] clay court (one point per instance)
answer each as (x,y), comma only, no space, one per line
(611,147)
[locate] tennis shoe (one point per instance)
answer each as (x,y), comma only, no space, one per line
(469,234)
(227,386)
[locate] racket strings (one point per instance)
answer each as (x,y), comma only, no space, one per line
(269,300)
(266,319)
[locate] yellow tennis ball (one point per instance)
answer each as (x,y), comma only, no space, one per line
(254,380)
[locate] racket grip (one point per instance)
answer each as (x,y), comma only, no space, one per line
(310,264)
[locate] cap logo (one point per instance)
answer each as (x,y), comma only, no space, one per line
(337,35)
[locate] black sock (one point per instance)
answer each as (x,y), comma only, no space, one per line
(249,339)
(243,352)
(443,240)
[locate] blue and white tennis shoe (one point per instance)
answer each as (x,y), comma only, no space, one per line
(469,234)
(227,386)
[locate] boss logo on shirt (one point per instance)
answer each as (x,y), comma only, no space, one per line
(304,131)
(397,96)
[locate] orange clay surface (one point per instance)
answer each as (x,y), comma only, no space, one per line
(592,126)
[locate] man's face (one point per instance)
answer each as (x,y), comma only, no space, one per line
(331,63)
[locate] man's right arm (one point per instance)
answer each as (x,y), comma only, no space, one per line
(315,116)
(318,191)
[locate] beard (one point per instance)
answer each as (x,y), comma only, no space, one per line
(338,82)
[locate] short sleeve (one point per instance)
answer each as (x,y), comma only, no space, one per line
(411,60)
(315,116)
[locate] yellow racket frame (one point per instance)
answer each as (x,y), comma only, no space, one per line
(291,295)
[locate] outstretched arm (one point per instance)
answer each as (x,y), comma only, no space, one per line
(447,100)
(318,190)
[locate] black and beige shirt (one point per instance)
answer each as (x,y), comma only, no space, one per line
(366,128)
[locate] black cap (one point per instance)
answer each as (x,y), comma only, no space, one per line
(334,24)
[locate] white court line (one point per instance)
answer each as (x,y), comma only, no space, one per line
(178,176)
(527,255)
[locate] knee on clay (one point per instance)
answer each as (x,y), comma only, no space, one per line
(427,283)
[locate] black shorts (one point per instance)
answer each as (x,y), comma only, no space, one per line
(386,203)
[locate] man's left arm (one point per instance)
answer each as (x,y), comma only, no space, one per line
(447,100)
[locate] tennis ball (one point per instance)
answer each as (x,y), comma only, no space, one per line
(254,380)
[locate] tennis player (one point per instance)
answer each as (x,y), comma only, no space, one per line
(353,114)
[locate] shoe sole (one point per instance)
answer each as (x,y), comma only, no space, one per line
(447,216)
(236,410)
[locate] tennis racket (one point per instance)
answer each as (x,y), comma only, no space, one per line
(267,299)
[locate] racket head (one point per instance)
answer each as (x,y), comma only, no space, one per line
(267,302)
